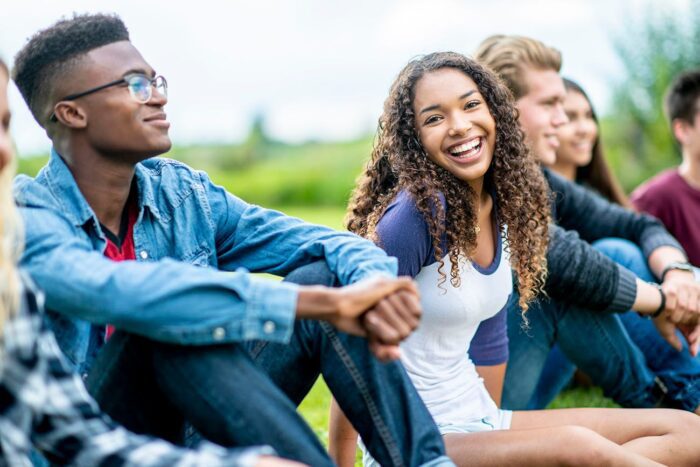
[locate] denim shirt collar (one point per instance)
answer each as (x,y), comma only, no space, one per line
(60,180)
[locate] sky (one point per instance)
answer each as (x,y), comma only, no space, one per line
(318,69)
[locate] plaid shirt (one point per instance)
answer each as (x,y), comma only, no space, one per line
(43,404)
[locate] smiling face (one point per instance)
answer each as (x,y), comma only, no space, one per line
(113,123)
(578,136)
(454,123)
(542,112)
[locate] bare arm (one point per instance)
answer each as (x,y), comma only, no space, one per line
(342,437)
(493,376)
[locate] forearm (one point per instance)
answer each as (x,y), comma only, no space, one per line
(342,437)
(663,256)
(580,275)
(166,300)
(493,376)
(647,299)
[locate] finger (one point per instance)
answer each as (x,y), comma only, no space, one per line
(412,304)
(351,326)
(389,310)
(675,312)
(385,286)
(694,340)
(408,308)
(682,303)
(408,284)
(378,329)
(384,352)
(667,331)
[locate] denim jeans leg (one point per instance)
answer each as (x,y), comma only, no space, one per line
(230,401)
(122,381)
(595,342)
(556,375)
(678,371)
(378,398)
(153,388)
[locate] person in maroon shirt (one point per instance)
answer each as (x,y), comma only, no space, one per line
(674,195)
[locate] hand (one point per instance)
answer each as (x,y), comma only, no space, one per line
(667,330)
(394,318)
(390,305)
(682,298)
(271,461)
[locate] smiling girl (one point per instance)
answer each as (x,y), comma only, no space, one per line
(452,191)
(580,155)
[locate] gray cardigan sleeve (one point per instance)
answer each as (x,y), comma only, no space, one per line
(580,275)
(593,217)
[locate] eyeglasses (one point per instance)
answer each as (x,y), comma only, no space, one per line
(140,87)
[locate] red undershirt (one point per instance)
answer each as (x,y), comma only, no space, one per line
(125,241)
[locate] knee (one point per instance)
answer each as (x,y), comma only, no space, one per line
(582,447)
(684,422)
(316,273)
(625,253)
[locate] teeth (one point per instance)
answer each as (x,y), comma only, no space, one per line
(466,146)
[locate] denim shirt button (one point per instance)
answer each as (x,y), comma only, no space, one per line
(143,254)
(219,334)
(84,376)
(269,327)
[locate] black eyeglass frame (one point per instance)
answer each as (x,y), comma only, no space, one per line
(124,80)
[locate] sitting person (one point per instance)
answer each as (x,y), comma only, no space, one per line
(587,329)
(453,192)
(674,195)
(43,403)
(118,237)
(580,158)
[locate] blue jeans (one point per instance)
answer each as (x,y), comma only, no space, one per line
(238,395)
(678,372)
(595,342)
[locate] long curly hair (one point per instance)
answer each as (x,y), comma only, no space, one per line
(399,162)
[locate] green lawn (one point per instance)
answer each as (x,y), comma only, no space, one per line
(315,407)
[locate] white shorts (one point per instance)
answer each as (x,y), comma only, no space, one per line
(500,420)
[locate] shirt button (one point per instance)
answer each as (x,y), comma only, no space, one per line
(219,334)
(269,327)
(143,254)
(84,376)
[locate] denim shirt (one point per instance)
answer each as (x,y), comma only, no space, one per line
(195,245)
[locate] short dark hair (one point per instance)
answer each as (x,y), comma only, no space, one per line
(682,96)
(51,52)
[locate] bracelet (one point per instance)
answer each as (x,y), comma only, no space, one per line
(662,306)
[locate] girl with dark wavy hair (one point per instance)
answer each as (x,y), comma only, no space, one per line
(452,191)
(580,156)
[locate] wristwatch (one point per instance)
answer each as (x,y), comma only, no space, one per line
(679,265)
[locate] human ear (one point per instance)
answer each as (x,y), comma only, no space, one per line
(70,114)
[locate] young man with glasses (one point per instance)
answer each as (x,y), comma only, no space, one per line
(586,287)
(117,237)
